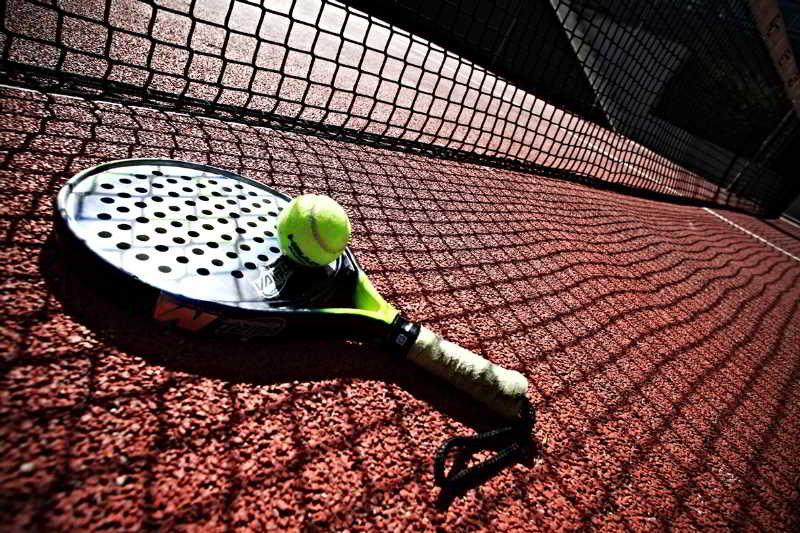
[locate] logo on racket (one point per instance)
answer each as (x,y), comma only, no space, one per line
(271,282)
(248,329)
(174,312)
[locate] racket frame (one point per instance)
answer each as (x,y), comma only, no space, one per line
(371,315)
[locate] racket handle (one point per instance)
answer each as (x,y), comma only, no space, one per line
(498,388)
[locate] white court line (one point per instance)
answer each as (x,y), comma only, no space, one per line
(789,221)
(26,89)
(737,226)
(732,223)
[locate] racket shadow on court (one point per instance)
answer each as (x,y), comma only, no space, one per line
(264,362)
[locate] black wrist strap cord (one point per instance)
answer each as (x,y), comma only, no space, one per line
(509,442)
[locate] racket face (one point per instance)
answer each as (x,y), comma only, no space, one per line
(198,234)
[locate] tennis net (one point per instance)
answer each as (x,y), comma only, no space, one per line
(686,100)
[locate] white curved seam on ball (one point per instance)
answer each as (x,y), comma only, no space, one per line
(315,229)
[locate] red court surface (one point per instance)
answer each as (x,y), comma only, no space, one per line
(660,341)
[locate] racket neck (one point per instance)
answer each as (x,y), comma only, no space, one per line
(401,336)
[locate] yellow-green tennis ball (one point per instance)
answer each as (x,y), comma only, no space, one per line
(313,230)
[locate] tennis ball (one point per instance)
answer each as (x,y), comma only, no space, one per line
(313,230)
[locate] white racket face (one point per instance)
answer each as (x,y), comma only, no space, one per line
(193,231)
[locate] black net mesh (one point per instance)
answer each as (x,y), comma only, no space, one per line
(672,98)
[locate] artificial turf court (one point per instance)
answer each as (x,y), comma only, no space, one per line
(660,341)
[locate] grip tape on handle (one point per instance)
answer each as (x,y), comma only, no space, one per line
(498,388)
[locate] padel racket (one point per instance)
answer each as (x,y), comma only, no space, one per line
(199,246)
